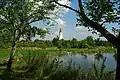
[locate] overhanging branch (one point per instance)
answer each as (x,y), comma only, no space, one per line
(67,7)
(110,37)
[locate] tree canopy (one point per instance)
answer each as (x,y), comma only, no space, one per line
(16,16)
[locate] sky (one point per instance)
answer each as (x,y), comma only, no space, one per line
(66,20)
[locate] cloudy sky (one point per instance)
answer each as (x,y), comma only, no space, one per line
(66,20)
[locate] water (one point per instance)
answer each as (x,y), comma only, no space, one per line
(86,61)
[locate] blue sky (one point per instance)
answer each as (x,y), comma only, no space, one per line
(68,24)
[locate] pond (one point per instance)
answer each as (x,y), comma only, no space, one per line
(86,61)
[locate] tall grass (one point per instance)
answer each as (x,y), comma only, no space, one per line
(44,68)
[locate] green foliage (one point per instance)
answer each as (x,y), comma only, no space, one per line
(48,43)
(103,11)
(74,43)
(45,68)
(55,41)
(83,44)
(86,43)
(99,42)
(5,38)
(100,9)
(17,16)
(90,41)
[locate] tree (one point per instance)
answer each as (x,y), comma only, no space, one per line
(66,44)
(55,41)
(48,43)
(16,16)
(74,43)
(90,41)
(83,44)
(98,42)
(74,39)
(5,38)
(94,14)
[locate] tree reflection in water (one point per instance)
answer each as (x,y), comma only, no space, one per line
(84,55)
(99,56)
(115,56)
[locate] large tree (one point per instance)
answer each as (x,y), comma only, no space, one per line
(95,14)
(16,16)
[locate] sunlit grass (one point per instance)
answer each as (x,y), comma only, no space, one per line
(4,54)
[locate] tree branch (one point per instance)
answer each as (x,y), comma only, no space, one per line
(38,19)
(67,7)
(110,37)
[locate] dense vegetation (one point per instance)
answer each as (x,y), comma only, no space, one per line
(74,43)
(44,68)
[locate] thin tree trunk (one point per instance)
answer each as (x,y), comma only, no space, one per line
(10,61)
(118,64)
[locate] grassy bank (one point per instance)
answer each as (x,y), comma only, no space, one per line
(92,50)
(5,53)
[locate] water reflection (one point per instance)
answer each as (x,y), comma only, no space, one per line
(99,56)
(115,57)
(84,55)
(86,61)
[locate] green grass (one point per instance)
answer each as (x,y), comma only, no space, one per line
(92,50)
(4,54)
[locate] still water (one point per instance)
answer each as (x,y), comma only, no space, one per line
(86,61)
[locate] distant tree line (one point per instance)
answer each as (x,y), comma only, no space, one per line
(88,42)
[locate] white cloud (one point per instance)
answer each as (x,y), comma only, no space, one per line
(61,24)
(59,12)
(83,31)
(56,33)
(81,28)
(64,2)
(44,29)
(60,21)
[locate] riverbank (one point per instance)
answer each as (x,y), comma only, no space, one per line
(28,67)
(4,53)
(92,50)
(40,68)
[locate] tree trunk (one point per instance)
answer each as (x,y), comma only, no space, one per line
(10,61)
(118,64)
